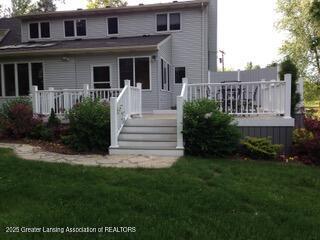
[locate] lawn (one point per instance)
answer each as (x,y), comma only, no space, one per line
(195,199)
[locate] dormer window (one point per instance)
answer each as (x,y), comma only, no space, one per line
(113,26)
(168,22)
(75,28)
(39,30)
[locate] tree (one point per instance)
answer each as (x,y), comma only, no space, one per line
(45,6)
(303,43)
(106,3)
(315,10)
(20,7)
(250,66)
(288,66)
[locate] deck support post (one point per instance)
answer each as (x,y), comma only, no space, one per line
(180,103)
(34,98)
(287,79)
(139,86)
(51,99)
(113,122)
(127,83)
(85,90)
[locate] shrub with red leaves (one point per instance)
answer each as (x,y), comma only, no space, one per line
(17,120)
(307,150)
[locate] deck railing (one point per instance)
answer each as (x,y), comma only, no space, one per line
(128,103)
(62,101)
(238,98)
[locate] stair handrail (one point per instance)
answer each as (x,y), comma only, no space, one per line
(122,107)
(180,102)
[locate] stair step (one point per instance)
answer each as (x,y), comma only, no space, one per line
(166,137)
(137,151)
(154,129)
(147,144)
(144,122)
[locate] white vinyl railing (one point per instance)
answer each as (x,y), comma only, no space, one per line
(62,101)
(128,103)
(238,98)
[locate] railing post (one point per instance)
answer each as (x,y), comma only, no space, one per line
(34,97)
(180,101)
(113,122)
(51,99)
(139,86)
(85,90)
(239,75)
(65,100)
(287,109)
(127,83)
(209,76)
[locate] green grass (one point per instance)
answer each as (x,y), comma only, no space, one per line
(195,199)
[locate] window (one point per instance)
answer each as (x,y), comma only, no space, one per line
(39,30)
(142,72)
(168,21)
(126,70)
(75,28)
(136,69)
(23,79)
(9,79)
(101,76)
(180,73)
(174,21)
(69,28)
(165,75)
(34,30)
(112,25)
(162,24)
(37,75)
(81,28)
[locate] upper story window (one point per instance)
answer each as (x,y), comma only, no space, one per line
(113,25)
(168,22)
(39,30)
(75,28)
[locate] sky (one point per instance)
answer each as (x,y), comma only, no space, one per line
(246,29)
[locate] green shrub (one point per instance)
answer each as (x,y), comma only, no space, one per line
(207,131)
(259,148)
(42,132)
(53,121)
(89,126)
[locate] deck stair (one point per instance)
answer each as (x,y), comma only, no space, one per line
(149,135)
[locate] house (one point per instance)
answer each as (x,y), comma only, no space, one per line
(143,59)
(156,45)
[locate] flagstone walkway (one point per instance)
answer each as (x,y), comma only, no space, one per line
(30,152)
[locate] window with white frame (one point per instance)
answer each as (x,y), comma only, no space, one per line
(136,69)
(101,76)
(16,78)
(39,30)
(165,75)
(168,22)
(113,25)
(180,73)
(75,28)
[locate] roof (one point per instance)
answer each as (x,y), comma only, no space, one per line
(141,43)
(115,10)
(13,28)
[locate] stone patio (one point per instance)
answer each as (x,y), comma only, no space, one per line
(29,152)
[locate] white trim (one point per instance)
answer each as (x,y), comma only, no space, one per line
(134,76)
(112,34)
(168,22)
(39,31)
(92,75)
(264,122)
(74,28)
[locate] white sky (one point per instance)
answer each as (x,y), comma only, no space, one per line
(245,29)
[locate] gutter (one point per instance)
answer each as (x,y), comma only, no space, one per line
(79,50)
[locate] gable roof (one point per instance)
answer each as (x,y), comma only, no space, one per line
(110,45)
(116,10)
